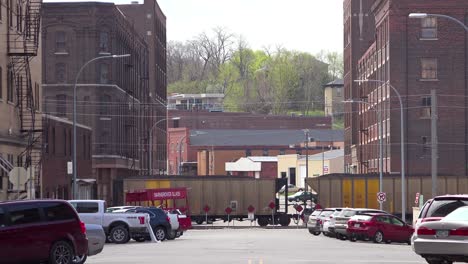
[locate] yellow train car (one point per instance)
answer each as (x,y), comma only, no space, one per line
(360,190)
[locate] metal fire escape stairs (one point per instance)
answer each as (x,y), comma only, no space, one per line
(23,45)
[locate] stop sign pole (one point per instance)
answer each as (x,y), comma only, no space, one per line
(206,209)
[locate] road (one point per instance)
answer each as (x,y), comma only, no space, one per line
(255,246)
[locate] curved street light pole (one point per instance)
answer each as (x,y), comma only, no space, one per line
(150,150)
(74,113)
(402,145)
(379,120)
(426,15)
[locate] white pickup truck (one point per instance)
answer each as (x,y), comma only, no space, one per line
(119,228)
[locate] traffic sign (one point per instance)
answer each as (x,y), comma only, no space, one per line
(251,209)
(272,205)
(206,209)
(381,197)
(416,201)
(228,210)
(298,208)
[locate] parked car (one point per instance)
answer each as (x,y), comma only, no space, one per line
(302,197)
(41,231)
(437,208)
(444,241)
(291,189)
(96,240)
(159,221)
(379,227)
(313,224)
(329,222)
(119,228)
(179,221)
(323,218)
(341,220)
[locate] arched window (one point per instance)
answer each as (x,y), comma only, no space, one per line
(60,72)
(103,41)
(103,73)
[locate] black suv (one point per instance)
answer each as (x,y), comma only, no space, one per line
(159,222)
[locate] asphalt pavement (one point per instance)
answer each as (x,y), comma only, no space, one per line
(255,246)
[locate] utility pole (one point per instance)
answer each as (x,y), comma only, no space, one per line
(434,145)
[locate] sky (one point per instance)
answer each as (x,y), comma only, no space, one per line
(302,25)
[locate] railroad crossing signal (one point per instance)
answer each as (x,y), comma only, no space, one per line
(272,205)
(206,208)
(251,209)
(228,210)
(381,197)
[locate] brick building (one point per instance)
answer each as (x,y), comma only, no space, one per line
(333,96)
(205,152)
(414,56)
(240,120)
(57,139)
(112,94)
(20,91)
(150,22)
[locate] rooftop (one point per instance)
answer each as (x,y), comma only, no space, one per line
(335,83)
(332,154)
(274,137)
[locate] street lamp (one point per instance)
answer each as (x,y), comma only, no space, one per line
(426,15)
(402,143)
(179,165)
(150,147)
(74,113)
(379,120)
(306,133)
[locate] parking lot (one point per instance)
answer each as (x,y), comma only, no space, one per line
(255,245)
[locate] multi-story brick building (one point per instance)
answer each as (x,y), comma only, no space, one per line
(359,30)
(239,120)
(112,94)
(57,139)
(414,56)
(149,20)
(20,91)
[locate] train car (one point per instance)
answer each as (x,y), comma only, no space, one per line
(217,197)
(360,190)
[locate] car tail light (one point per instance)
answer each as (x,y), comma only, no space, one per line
(459,232)
(431,219)
(350,223)
(168,219)
(424,231)
(83,228)
(367,223)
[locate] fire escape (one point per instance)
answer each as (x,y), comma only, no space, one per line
(23,45)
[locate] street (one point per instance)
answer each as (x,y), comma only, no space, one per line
(255,245)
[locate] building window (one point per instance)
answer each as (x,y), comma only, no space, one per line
(61,103)
(429,69)
(339,92)
(65,141)
(10,13)
(426,109)
(103,41)
(282,152)
(10,86)
(103,73)
(60,72)
(37,97)
(429,28)
(60,41)
(53,141)
(265,152)
(19,12)
(425,144)
(248,153)
(1,74)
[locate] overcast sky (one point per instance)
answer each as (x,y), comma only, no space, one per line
(303,25)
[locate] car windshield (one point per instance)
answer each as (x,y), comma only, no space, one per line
(326,213)
(348,213)
(443,207)
(316,212)
(460,214)
(361,217)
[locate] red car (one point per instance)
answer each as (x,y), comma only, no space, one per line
(41,231)
(380,228)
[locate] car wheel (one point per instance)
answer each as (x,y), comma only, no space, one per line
(378,237)
(317,233)
(119,235)
(171,235)
(409,242)
(160,233)
(199,221)
(438,261)
(352,239)
(61,253)
(79,259)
